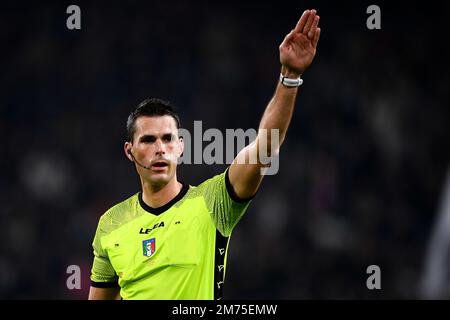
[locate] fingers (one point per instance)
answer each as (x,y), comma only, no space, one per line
(302,21)
(313,29)
(316,37)
(308,26)
(309,22)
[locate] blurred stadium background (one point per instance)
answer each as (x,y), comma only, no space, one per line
(361,172)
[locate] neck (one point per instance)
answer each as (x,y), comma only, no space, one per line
(157,196)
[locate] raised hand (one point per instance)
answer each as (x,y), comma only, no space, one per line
(298,48)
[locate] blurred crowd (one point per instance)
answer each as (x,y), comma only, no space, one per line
(360,172)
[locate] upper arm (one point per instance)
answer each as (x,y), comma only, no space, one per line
(104,293)
(249,168)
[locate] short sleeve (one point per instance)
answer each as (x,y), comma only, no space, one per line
(225,207)
(102,273)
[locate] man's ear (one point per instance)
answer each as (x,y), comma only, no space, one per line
(181,144)
(127,149)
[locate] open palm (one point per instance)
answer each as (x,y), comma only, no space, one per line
(298,48)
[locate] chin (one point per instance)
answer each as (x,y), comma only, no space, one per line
(159,179)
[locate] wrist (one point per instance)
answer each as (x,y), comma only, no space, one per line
(290,79)
(288,73)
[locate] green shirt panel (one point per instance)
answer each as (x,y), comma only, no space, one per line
(170,255)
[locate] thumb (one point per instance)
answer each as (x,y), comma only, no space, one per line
(288,38)
(290,35)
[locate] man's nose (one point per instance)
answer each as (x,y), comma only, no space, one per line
(159,147)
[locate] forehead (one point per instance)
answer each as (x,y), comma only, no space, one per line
(155,125)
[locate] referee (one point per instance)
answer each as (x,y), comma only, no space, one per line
(169,241)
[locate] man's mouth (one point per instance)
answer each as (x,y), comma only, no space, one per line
(159,165)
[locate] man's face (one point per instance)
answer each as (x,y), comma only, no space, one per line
(157,146)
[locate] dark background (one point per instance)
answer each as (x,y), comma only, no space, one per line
(361,169)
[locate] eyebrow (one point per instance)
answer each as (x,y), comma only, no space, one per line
(154,137)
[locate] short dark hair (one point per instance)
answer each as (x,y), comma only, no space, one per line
(152,107)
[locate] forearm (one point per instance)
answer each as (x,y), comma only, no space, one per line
(278,113)
(245,172)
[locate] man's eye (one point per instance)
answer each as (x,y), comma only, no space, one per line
(148,139)
(167,138)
